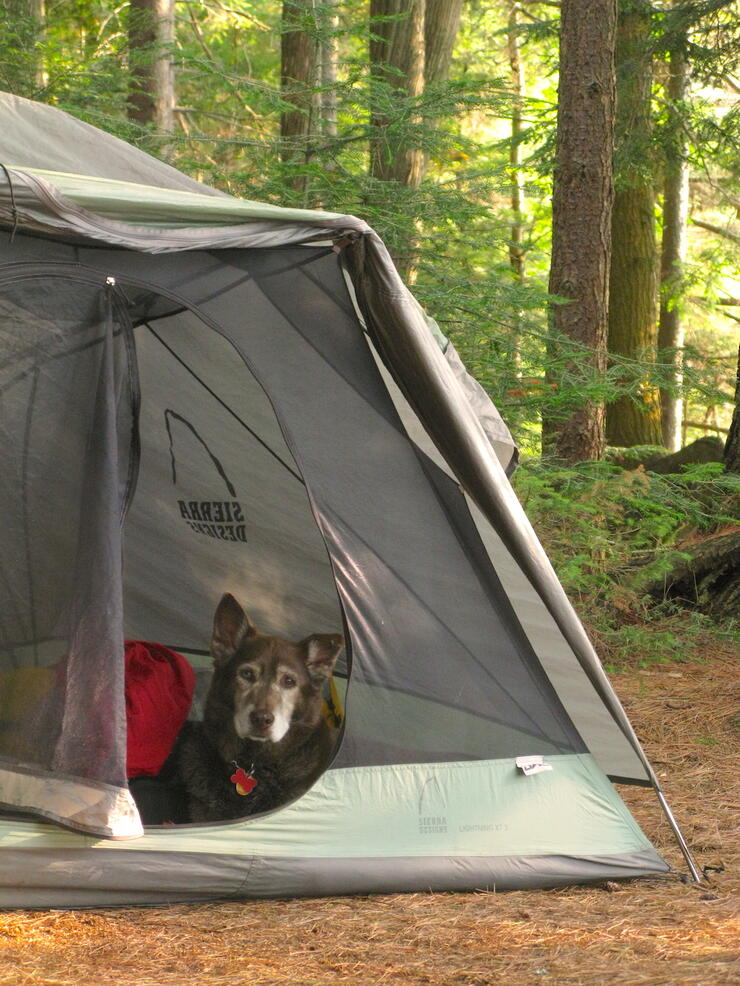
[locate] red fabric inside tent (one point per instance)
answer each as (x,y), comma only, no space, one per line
(159,690)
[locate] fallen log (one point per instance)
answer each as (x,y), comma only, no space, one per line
(706,449)
(706,577)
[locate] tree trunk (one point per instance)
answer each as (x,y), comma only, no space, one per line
(409,52)
(22,70)
(397,61)
(516,249)
(151,37)
(732,445)
(412,51)
(329,59)
(38,13)
(441,25)
(582,202)
(633,298)
(298,77)
(516,252)
(673,252)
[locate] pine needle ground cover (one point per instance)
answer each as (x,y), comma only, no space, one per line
(654,932)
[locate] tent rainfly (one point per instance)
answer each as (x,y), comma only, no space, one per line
(200,395)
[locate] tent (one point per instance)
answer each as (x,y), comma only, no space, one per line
(198,395)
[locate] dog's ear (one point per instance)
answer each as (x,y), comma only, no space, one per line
(322,650)
(231,626)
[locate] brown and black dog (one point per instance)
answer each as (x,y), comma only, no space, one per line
(263,728)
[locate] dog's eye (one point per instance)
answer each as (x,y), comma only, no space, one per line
(289,681)
(247,674)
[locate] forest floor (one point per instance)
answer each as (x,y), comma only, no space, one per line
(650,931)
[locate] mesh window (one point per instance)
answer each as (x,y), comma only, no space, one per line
(67,416)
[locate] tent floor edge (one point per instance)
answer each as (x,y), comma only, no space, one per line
(159,878)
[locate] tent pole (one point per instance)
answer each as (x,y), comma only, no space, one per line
(696,873)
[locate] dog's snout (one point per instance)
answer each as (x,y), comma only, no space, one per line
(261,718)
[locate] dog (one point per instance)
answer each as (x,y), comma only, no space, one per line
(264,739)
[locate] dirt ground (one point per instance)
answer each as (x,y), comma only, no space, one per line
(640,932)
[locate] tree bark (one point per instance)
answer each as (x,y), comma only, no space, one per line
(329,59)
(516,67)
(732,445)
(517,259)
(397,62)
(151,37)
(582,203)
(441,25)
(298,77)
(408,52)
(37,10)
(673,250)
(411,51)
(633,308)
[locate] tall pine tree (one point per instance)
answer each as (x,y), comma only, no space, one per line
(634,419)
(582,203)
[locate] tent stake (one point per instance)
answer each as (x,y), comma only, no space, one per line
(696,874)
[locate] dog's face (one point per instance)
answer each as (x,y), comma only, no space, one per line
(270,683)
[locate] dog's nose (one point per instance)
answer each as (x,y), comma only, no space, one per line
(261,719)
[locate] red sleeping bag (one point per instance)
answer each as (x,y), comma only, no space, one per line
(159,690)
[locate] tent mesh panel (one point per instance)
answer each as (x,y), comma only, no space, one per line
(67,421)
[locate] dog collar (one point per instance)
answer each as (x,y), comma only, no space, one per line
(244,780)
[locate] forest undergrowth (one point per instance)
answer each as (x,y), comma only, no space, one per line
(616,535)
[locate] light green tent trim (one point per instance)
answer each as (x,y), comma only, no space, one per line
(434,809)
(163,208)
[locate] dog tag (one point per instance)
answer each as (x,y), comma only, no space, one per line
(243,781)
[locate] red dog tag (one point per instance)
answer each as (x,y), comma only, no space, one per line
(245,784)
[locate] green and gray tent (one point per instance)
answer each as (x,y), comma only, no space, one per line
(200,394)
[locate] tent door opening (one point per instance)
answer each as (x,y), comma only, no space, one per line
(193,456)
(221,507)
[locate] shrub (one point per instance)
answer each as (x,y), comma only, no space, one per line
(612,532)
